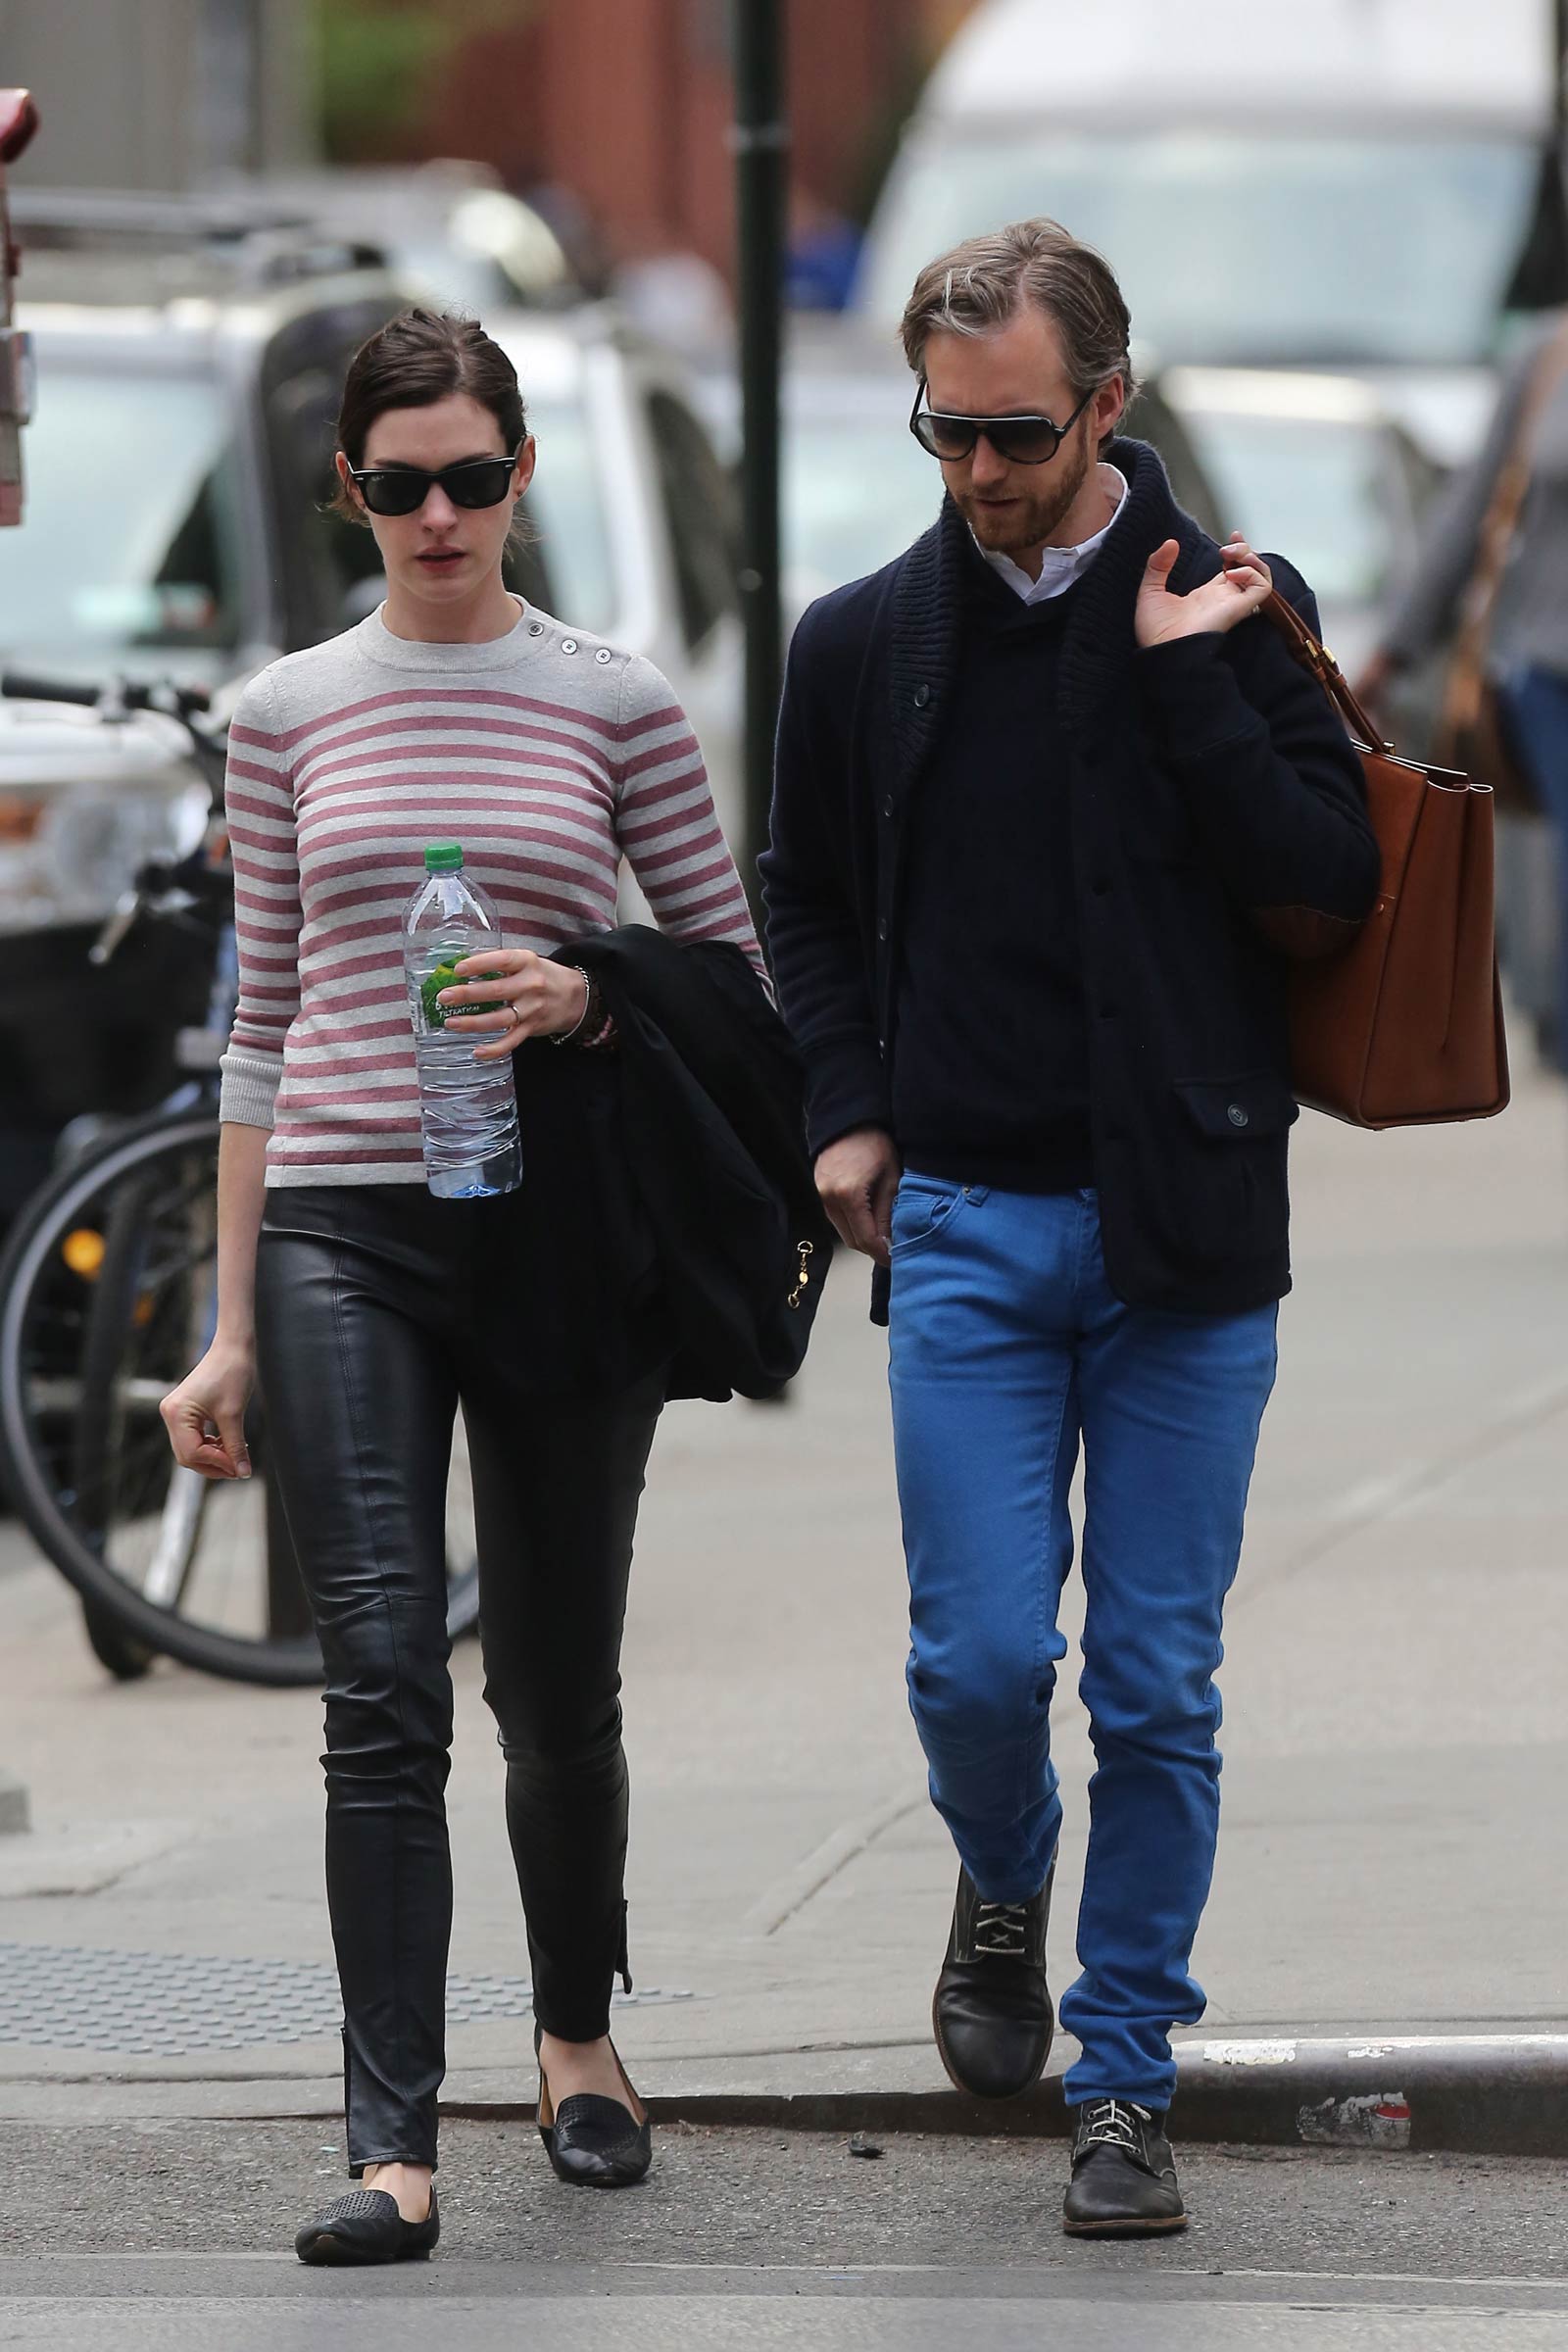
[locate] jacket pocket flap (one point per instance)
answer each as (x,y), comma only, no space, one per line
(1239,1110)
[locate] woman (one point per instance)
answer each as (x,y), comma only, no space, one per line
(370,1309)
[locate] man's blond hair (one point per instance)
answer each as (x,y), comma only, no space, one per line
(987,280)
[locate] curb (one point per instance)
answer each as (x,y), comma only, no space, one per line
(1493,2094)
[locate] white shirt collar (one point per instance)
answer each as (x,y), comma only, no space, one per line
(1060,567)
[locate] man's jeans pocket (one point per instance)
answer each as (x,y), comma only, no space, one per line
(924,1208)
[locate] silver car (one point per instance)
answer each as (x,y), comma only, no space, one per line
(1315,466)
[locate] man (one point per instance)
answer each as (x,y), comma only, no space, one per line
(1045,789)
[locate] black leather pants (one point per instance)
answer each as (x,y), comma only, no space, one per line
(376,1314)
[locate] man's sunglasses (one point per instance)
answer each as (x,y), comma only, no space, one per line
(1020,440)
(403,489)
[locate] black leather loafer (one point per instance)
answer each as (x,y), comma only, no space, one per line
(594,2143)
(993,2013)
(367,2226)
(1123,2174)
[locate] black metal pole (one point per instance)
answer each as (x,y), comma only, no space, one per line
(760,139)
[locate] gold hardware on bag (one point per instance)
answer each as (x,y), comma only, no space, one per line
(807,1250)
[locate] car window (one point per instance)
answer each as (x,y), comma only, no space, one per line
(1244,245)
(333,565)
(697,503)
(97,576)
(565,506)
(527,571)
(856,490)
(1316,489)
(1194,485)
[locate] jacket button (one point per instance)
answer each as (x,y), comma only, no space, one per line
(882,928)
(1237,1115)
(1100,886)
(1110,1012)
(887,806)
(922,694)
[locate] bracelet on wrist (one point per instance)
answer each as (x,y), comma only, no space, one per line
(573,1035)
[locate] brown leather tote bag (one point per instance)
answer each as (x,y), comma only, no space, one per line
(1403,1027)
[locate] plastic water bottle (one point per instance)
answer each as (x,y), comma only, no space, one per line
(467,1108)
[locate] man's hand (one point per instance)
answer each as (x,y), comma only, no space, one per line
(858,1177)
(1212,607)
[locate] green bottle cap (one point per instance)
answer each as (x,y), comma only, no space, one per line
(443,858)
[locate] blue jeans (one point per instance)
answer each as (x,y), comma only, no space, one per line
(1008,1345)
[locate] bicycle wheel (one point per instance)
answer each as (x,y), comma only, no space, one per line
(107,1298)
(119,1653)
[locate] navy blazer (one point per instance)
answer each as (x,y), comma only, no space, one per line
(1210,778)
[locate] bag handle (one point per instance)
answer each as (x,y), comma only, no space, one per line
(1330,677)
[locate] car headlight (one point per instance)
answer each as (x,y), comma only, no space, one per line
(66,855)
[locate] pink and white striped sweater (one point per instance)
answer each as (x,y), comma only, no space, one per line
(547,753)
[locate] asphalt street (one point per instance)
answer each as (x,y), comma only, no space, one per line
(174,2235)
(826,2316)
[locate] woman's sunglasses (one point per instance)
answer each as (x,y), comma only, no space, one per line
(403,489)
(1020,440)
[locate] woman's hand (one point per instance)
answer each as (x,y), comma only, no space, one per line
(537,998)
(205,1416)
(1212,607)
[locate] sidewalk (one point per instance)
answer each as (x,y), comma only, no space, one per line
(1392,1863)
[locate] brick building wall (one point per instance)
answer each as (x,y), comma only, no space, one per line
(626,103)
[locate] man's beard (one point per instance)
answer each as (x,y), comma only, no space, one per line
(1015,529)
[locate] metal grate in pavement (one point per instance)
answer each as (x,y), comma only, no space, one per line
(169,2004)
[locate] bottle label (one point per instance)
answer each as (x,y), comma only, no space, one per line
(445,975)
